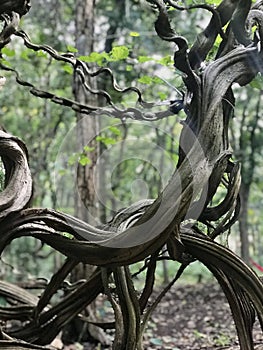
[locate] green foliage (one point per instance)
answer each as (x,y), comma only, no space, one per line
(198,334)
(163,96)
(135,34)
(72,49)
(146,79)
(110,136)
(107,141)
(115,130)
(257,82)
(165,61)
(143,59)
(95,57)
(222,340)
(81,157)
(213,2)
(41,54)
(68,69)
(117,53)
(8,52)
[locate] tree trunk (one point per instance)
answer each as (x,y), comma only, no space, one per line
(86,206)
(243,222)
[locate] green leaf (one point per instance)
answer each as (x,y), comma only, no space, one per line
(218,41)
(73,158)
(157,80)
(71,48)
(163,96)
(8,52)
(143,59)
(165,61)
(213,2)
(42,53)
(96,57)
(5,63)
(119,53)
(145,79)
(222,340)
(106,140)
(84,160)
(68,69)
(24,54)
(129,68)
(257,83)
(198,334)
(134,34)
(115,130)
(88,148)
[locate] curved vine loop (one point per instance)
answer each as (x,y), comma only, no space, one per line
(18,183)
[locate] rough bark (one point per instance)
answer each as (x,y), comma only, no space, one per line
(19,6)
(243,222)
(86,204)
(87,126)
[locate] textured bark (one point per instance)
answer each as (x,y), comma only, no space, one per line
(243,222)
(86,207)
(18,183)
(19,6)
(249,148)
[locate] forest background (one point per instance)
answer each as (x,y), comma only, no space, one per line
(124,32)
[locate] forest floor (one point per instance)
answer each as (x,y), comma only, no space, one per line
(192,317)
(195,317)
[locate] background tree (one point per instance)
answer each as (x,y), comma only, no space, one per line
(247,147)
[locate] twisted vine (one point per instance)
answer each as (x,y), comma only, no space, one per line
(142,230)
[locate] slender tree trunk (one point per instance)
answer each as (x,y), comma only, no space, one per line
(86,205)
(243,222)
(248,141)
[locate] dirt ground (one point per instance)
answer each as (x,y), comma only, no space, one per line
(195,317)
(192,317)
